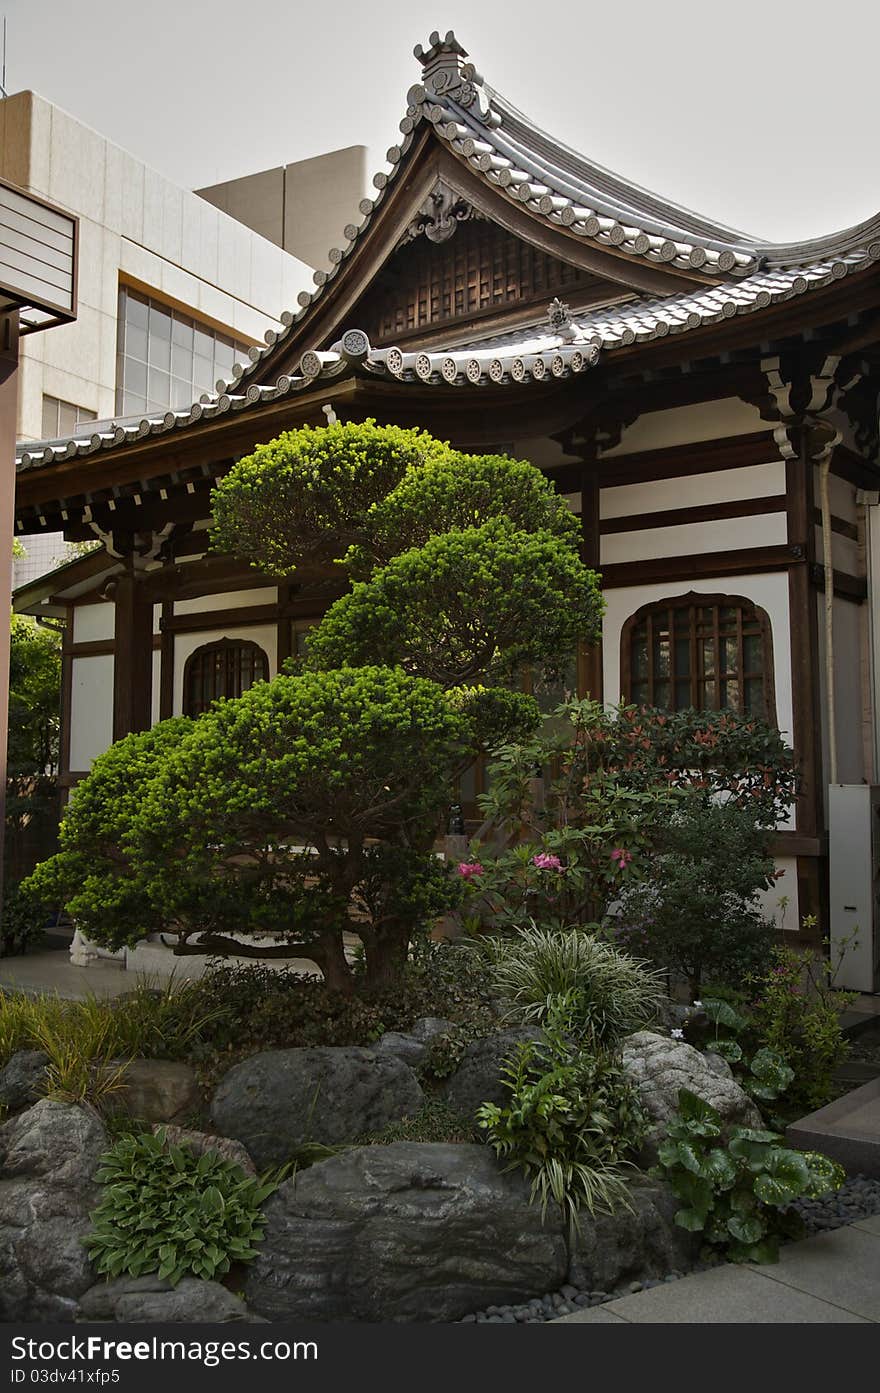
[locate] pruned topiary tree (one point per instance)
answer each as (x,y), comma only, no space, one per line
(308,807)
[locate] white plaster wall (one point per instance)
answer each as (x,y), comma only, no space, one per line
(92,623)
(849,698)
(266,635)
(785,916)
(760,530)
(157,673)
(91,710)
(715,486)
(682,425)
(230,599)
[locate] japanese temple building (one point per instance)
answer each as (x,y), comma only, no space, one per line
(706,401)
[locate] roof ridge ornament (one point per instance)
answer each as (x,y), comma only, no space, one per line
(446,74)
(559,315)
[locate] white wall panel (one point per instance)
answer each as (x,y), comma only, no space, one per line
(91,710)
(715,486)
(682,425)
(761,530)
(229,599)
(92,623)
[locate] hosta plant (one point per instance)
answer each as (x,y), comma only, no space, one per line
(168,1211)
(738,1195)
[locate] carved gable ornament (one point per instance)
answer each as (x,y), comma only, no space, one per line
(439,216)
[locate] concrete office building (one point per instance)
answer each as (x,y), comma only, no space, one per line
(172,292)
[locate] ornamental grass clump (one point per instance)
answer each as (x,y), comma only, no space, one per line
(607,994)
(168,1211)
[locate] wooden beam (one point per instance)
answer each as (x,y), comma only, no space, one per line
(702,512)
(166,664)
(804,629)
(707,563)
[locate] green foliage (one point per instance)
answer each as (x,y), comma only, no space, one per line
(305,496)
(443,1054)
(738,1195)
(34,699)
(607,994)
(434,1122)
(252,1007)
(22,921)
(694,913)
(164,1210)
(465,606)
(453,493)
(571,1124)
(795,1012)
(94,875)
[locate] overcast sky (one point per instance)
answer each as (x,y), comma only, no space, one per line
(761,113)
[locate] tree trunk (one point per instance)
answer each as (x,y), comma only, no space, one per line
(386,954)
(334,965)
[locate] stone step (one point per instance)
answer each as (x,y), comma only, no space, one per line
(847,1130)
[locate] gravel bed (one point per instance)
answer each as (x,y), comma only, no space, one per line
(858,1198)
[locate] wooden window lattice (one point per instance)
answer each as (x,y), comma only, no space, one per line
(226,668)
(708,652)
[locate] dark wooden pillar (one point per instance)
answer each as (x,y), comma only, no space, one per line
(133,658)
(8,416)
(592,680)
(805,690)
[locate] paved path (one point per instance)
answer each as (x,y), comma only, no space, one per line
(832,1279)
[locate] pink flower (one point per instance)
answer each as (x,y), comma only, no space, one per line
(545,862)
(466,869)
(622,857)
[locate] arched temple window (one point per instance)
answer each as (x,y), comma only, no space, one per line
(712,652)
(222,669)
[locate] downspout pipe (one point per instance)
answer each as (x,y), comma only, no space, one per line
(828,568)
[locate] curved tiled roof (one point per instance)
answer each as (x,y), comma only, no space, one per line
(535,354)
(556,184)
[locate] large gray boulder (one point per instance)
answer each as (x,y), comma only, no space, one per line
(152,1299)
(660,1067)
(640,1242)
(159,1090)
(478,1078)
(410,1232)
(277,1101)
(48,1157)
(22,1079)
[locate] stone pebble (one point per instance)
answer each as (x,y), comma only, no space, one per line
(858,1198)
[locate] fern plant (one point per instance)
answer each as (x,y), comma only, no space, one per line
(571,1124)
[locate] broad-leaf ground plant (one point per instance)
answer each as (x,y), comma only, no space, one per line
(737,1193)
(308,807)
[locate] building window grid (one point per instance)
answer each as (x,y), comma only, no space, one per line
(711,656)
(61,418)
(167,358)
(226,668)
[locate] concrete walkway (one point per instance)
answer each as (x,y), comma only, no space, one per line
(832,1279)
